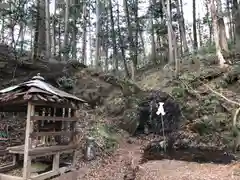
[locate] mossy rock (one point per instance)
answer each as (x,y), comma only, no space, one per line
(130,120)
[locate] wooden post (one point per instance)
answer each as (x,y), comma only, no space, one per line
(74,141)
(63,125)
(56,160)
(28,143)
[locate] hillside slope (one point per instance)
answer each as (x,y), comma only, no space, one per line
(200,107)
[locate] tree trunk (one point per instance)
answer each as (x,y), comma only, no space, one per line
(222,35)
(113,35)
(48,36)
(230,19)
(199,31)
(3,30)
(106,40)
(170,43)
(36,33)
(98,19)
(66,32)
(74,34)
(216,34)
(173,41)
(221,25)
(130,38)
(143,44)
(84,43)
(236,17)
(42,29)
(122,44)
(153,43)
(136,34)
(22,33)
(31,40)
(59,39)
(209,22)
(54,30)
(195,43)
(182,27)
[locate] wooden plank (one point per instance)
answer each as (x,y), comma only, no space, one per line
(56,133)
(41,151)
(27,146)
(3,152)
(7,167)
(15,147)
(55,104)
(52,153)
(48,118)
(10,166)
(9,177)
(49,174)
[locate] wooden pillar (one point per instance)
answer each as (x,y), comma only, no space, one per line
(74,140)
(63,125)
(56,161)
(28,143)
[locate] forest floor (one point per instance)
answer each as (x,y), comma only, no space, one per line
(125,164)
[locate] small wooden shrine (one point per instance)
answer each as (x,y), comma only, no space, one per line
(50,125)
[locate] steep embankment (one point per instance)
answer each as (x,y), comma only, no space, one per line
(209,98)
(205,133)
(205,119)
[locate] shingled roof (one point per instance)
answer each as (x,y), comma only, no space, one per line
(36,89)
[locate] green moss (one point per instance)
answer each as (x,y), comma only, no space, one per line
(202,126)
(106,136)
(178,92)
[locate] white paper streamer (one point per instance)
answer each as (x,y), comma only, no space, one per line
(160,109)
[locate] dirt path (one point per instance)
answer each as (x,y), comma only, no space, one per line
(126,158)
(128,155)
(117,167)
